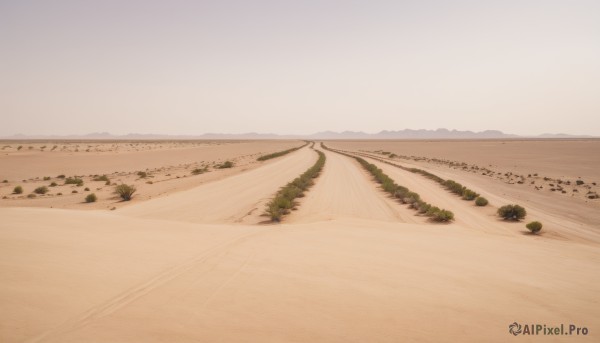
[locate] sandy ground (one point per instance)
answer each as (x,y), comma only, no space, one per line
(349,265)
(168,167)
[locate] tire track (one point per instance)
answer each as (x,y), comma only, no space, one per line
(110,306)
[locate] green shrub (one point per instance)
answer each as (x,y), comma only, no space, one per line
(18,190)
(443,216)
(469,194)
(91,198)
(125,191)
(534,227)
(512,212)
(226,164)
(41,190)
(74,181)
(481,201)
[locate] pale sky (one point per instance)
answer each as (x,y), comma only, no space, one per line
(298,67)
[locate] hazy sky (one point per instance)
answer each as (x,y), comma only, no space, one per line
(190,67)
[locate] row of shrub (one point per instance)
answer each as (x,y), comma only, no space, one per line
(284,199)
(451,185)
(280,153)
(403,194)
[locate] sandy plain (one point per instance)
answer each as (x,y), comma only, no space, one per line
(350,264)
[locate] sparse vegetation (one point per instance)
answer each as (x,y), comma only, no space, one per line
(61,176)
(481,201)
(53,184)
(101,178)
(284,199)
(280,153)
(199,171)
(125,191)
(41,190)
(46,178)
(512,212)
(31,195)
(74,181)
(469,194)
(226,164)
(142,174)
(534,226)
(402,193)
(87,189)
(91,198)
(18,190)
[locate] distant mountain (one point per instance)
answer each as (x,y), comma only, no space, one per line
(325,135)
(415,134)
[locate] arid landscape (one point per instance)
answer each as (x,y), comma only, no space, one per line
(296,241)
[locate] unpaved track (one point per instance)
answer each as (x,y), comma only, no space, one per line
(237,199)
(345,190)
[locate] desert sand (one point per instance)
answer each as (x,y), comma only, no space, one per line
(199,263)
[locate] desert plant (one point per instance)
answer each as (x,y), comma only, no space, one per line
(74,181)
(46,178)
(534,226)
(61,176)
(142,174)
(125,191)
(31,195)
(91,198)
(18,190)
(284,199)
(5,181)
(443,216)
(86,189)
(199,171)
(101,178)
(481,201)
(280,153)
(469,194)
(20,147)
(226,164)
(512,212)
(579,182)
(53,184)
(41,190)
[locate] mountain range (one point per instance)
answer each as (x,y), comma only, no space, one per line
(399,134)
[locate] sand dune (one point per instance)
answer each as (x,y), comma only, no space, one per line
(99,277)
(240,198)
